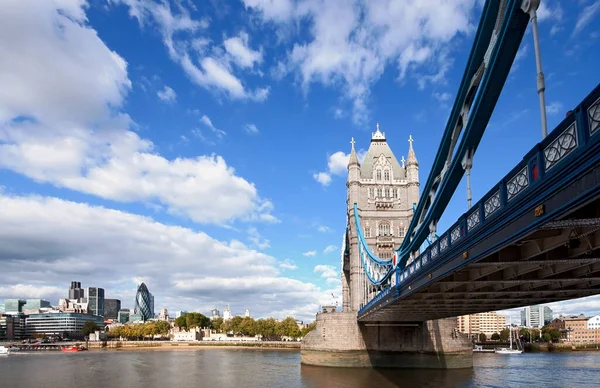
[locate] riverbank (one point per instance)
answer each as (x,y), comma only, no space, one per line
(167,345)
(538,347)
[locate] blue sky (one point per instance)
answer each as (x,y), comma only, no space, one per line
(200,146)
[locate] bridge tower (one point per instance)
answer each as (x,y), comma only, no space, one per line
(384,190)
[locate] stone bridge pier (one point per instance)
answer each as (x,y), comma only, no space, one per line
(339,340)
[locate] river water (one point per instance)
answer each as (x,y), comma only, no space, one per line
(240,368)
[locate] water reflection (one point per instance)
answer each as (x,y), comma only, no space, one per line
(313,376)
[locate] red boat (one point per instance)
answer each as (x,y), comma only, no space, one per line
(70,349)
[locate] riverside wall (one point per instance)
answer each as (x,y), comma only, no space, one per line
(340,341)
(190,344)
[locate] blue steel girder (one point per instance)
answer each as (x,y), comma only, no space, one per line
(497,41)
(378,271)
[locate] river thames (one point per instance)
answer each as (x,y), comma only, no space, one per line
(235,368)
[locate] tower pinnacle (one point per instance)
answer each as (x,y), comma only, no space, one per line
(353,157)
(412,158)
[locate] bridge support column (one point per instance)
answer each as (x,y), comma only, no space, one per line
(340,341)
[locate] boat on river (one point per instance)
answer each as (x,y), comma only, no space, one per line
(71,349)
(510,350)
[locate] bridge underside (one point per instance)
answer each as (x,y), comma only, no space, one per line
(558,261)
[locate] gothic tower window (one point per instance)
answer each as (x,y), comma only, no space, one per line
(387,192)
(395,193)
(386,175)
(379,192)
(367,232)
(371,193)
(378,175)
(384,229)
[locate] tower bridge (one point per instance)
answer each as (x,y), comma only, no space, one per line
(533,238)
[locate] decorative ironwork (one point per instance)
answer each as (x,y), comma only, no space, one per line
(517,184)
(594,116)
(473,220)
(561,146)
(455,235)
(425,258)
(492,204)
(443,243)
(434,251)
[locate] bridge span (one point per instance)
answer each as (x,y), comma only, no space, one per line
(533,238)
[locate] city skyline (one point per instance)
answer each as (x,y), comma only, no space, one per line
(210,159)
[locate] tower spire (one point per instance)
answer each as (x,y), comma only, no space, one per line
(353,157)
(412,158)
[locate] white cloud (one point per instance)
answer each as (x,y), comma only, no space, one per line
(521,55)
(47,242)
(326,271)
(288,264)
(310,253)
(257,240)
(442,97)
(251,129)
(547,11)
(181,34)
(350,43)
(337,164)
(241,53)
(329,249)
(206,121)
(167,95)
(586,16)
(323,178)
(323,228)
(554,108)
(60,123)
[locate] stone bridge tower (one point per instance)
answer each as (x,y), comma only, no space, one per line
(385,191)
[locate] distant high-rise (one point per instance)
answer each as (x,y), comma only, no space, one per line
(144,303)
(76,292)
(226,313)
(111,308)
(536,316)
(96,301)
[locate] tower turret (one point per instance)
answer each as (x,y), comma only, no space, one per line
(412,173)
(353,176)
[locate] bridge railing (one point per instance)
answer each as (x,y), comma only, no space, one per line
(561,147)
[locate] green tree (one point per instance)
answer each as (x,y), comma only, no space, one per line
(216,324)
(505,334)
(247,327)
(268,329)
(550,333)
(289,328)
(191,320)
(495,337)
(482,337)
(163,327)
(535,335)
(525,334)
(89,327)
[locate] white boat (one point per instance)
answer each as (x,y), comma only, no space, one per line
(510,350)
(3,351)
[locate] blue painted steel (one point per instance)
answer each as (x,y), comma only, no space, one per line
(386,264)
(509,38)
(584,156)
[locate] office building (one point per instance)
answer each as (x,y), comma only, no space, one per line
(95,301)
(215,313)
(163,315)
(179,313)
(123,316)
(13,306)
(486,323)
(144,303)
(536,316)
(111,308)
(60,324)
(12,327)
(76,292)
(35,305)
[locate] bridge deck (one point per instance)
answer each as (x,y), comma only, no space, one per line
(534,238)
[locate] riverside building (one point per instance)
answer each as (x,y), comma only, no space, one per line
(486,323)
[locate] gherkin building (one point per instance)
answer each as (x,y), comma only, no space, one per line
(144,303)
